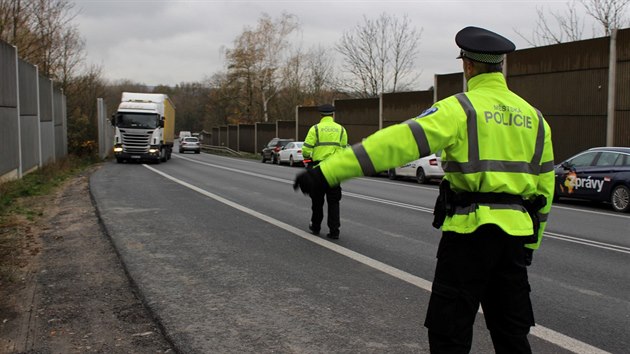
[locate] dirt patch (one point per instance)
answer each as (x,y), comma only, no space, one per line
(67,291)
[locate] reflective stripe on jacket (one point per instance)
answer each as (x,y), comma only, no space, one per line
(493,142)
(324,139)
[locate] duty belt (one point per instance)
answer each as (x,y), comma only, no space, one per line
(448,200)
(467,198)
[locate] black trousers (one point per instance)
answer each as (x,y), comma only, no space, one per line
(332,197)
(486,267)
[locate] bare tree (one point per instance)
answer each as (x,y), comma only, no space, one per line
(257,59)
(320,75)
(380,54)
(609,13)
(567,26)
(560,27)
(43,32)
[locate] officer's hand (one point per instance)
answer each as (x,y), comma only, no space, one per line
(529,256)
(310,181)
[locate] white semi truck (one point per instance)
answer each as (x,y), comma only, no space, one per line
(145,127)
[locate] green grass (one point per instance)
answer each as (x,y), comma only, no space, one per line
(15,213)
(41,182)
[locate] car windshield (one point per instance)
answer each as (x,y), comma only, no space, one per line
(191,140)
(137,120)
(583,160)
(298,145)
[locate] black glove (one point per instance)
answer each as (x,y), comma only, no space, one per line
(310,181)
(529,256)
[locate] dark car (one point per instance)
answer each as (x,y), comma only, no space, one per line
(600,174)
(190,143)
(270,151)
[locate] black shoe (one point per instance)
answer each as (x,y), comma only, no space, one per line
(334,236)
(314,231)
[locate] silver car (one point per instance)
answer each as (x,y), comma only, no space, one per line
(190,143)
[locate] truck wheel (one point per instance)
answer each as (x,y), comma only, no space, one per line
(163,157)
(119,160)
(620,198)
(391,174)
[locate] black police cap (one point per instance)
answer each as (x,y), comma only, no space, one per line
(481,45)
(326,109)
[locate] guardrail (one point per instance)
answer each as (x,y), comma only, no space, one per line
(221,149)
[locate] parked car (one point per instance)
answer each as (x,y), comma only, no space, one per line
(190,143)
(291,154)
(270,151)
(422,169)
(599,174)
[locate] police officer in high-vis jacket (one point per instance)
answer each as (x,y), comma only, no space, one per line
(494,199)
(323,140)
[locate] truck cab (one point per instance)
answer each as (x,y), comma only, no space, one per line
(142,133)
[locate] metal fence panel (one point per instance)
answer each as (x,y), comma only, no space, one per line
(9,120)
(564,93)
(58,118)
(29,131)
(307,116)
(572,134)
(48,141)
(401,106)
(223,136)
(246,138)
(29,116)
(47,128)
(215,137)
(572,56)
(448,84)
(286,129)
(28,88)
(232,134)
(45,100)
(623,86)
(357,111)
(9,147)
(105,130)
(264,133)
(622,128)
(8,76)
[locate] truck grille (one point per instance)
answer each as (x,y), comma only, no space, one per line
(136,142)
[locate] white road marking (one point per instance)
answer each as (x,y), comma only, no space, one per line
(566,238)
(541,332)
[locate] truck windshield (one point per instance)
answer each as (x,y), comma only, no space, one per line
(137,120)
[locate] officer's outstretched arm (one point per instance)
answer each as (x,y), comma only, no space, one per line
(396,145)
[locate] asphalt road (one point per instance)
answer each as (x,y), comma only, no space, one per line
(219,249)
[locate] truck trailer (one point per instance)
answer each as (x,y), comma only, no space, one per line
(145,127)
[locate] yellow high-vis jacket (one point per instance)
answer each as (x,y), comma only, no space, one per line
(324,139)
(493,142)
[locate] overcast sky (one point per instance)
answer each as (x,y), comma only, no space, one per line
(169,42)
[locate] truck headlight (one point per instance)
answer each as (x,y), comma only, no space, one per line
(118,149)
(153,151)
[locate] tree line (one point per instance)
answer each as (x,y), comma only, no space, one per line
(267,72)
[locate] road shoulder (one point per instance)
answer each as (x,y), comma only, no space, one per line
(72,293)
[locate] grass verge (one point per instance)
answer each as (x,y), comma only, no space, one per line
(20,207)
